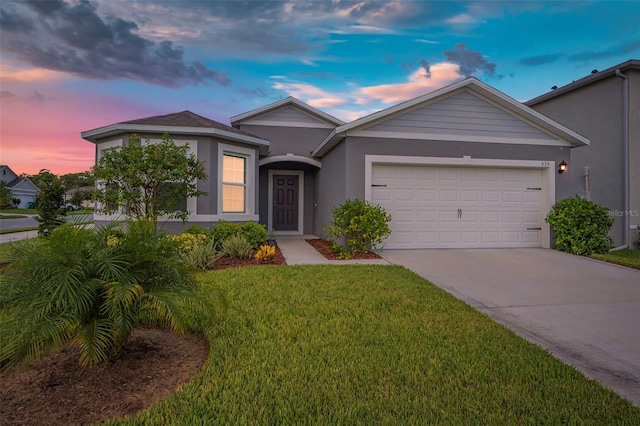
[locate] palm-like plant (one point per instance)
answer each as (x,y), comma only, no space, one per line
(93,287)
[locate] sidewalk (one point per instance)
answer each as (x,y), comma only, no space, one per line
(297,251)
(15,236)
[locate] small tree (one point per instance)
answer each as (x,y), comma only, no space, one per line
(149,180)
(50,203)
(5,195)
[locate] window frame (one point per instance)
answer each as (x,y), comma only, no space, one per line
(249,155)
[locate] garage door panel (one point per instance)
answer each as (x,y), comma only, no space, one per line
(449,207)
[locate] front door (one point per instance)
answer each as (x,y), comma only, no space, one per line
(285,203)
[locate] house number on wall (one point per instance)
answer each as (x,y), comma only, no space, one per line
(545,163)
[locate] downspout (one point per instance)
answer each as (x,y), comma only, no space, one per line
(625,158)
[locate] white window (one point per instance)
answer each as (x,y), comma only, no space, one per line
(234,183)
(236,176)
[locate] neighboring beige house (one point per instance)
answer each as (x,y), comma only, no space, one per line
(604,107)
(85,189)
(19,187)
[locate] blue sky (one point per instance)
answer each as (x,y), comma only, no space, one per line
(70,66)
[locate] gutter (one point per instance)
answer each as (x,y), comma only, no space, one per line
(625,158)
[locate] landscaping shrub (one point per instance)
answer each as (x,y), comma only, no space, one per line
(93,287)
(186,241)
(266,253)
(581,226)
(196,230)
(362,225)
(203,255)
(237,246)
(255,233)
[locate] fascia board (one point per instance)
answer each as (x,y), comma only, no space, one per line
(92,135)
(283,102)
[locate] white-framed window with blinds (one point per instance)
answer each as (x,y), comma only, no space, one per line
(236,176)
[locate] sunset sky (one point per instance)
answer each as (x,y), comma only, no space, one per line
(71,66)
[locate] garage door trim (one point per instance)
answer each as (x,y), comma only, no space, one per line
(547,167)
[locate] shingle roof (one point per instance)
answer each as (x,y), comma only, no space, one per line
(185,119)
(179,123)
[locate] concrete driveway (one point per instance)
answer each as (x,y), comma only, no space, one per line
(586,312)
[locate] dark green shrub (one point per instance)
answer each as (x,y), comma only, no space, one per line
(195,230)
(93,287)
(362,225)
(255,233)
(581,226)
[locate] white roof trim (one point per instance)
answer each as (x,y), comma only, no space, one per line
(489,93)
(459,138)
(283,102)
(92,135)
(290,158)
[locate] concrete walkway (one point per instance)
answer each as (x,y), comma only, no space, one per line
(15,236)
(586,312)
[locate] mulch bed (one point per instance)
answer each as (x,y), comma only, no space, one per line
(227,261)
(57,391)
(324,247)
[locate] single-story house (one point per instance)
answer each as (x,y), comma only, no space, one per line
(463,166)
(19,187)
(68,195)
(605,107)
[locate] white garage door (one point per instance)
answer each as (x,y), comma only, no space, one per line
(460,207)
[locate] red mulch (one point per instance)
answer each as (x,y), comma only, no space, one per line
(324,247)
(57,391)
(227,261)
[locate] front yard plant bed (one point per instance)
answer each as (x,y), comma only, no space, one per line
(227,261)
(325,248)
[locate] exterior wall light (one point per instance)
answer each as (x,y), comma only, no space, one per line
(562,167)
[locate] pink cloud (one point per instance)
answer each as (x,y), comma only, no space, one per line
(442,74)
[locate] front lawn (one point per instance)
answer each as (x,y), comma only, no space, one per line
(630,258)
(334,344)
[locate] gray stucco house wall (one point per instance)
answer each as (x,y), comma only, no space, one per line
(604,107)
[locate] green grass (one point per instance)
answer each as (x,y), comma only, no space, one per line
(19,211)
(11,216)
(630,258)
(11,231)
(335,344)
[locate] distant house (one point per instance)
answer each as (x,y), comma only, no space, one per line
(85,190)
(465,166)
(19,187)
(604,107)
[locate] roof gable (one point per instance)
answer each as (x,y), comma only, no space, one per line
(288,112)
(465,111)
(23,184)
(6,174)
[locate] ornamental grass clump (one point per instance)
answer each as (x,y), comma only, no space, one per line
(237,246)
(580,226)
(361,225)
(93,288)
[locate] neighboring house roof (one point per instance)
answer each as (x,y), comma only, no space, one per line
(321,117)
(472,85)
(72,191)
(23,184)
(592,78)
(180,123)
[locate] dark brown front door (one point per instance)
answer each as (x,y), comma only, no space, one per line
(285,203)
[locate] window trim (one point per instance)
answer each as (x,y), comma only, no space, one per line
(250,181)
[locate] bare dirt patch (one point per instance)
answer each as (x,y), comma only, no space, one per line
(324,247)
(57,391)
